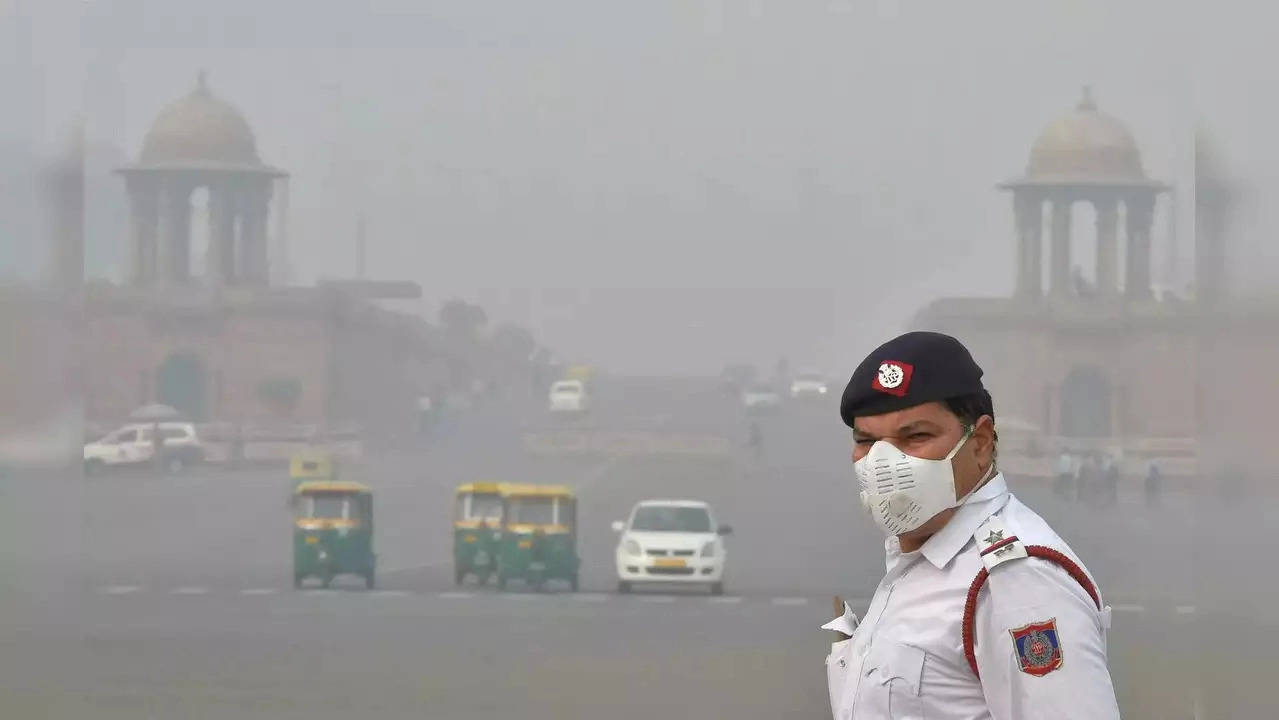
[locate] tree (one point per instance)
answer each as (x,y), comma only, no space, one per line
(513,344)
(461,319)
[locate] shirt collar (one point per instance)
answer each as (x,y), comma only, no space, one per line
(946,543)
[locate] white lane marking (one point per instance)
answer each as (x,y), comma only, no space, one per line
(390,593)
(1129,608)
(732,600)
(190,590)
(320,591)
(258,591)
(590,597)
(119,589)
(656,598)
(455,595)
(1186,609)
(790,601)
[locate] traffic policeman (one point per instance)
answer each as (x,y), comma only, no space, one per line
(984,611)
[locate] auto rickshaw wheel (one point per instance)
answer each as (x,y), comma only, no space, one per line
(297,581)
(326,581)
(717,588)
(370,580)
(459,574)
(572,582)
(482,578)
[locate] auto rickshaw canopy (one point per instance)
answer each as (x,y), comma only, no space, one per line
(348,487)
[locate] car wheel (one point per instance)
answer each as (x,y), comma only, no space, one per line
(175,464)
(717,588)
(93,466)
(623,587)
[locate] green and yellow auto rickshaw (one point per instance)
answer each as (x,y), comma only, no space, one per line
(539,535)
(333,531)
(477,528)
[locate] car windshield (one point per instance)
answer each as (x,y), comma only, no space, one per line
(533,511)
(486,507)
(324,505)
(671,518)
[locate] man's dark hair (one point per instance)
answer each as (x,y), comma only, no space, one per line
(969,408)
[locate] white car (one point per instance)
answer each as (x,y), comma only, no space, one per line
(671,541)
(569,396)
(760,398)
(134,444)
(808,385)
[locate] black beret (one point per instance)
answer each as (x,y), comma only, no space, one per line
(910,370)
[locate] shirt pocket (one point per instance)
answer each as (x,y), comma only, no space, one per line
(895,673)
(837,673)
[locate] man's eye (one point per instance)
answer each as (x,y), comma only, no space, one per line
(918,437)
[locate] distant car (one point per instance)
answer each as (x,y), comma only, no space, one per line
(133,444)
(569,396)
(671,541)
(808,386)
(761,398)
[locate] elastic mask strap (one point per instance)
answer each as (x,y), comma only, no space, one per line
(968,433)
(990,472)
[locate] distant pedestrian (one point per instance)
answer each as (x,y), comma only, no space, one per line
(1153,483)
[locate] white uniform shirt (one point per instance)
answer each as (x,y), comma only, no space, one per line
(906,659)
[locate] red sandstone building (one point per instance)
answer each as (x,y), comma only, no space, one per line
(1110,366)
(226,344)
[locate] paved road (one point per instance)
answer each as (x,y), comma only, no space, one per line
(136,596)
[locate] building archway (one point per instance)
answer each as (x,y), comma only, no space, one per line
(180,383)
(1086,401)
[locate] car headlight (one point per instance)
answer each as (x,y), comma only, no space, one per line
(708,550)
(632,548)
(822,390)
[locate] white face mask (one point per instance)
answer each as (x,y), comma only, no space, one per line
(902,492)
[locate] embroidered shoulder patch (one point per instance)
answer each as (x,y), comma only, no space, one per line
(1038,647)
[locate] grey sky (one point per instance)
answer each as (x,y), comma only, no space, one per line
(849,149)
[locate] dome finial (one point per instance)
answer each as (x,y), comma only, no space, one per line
(202,82)
(1086,102)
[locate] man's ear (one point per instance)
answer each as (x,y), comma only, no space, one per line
(984,440)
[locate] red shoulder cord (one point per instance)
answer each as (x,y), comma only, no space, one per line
(1039,551)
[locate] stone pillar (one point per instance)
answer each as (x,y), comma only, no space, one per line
(145,207)
(174,225)
(1107,246)
(1061,247)
(1140,216)
(254,241)
(1028,209)
(179,239)
(220,263)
